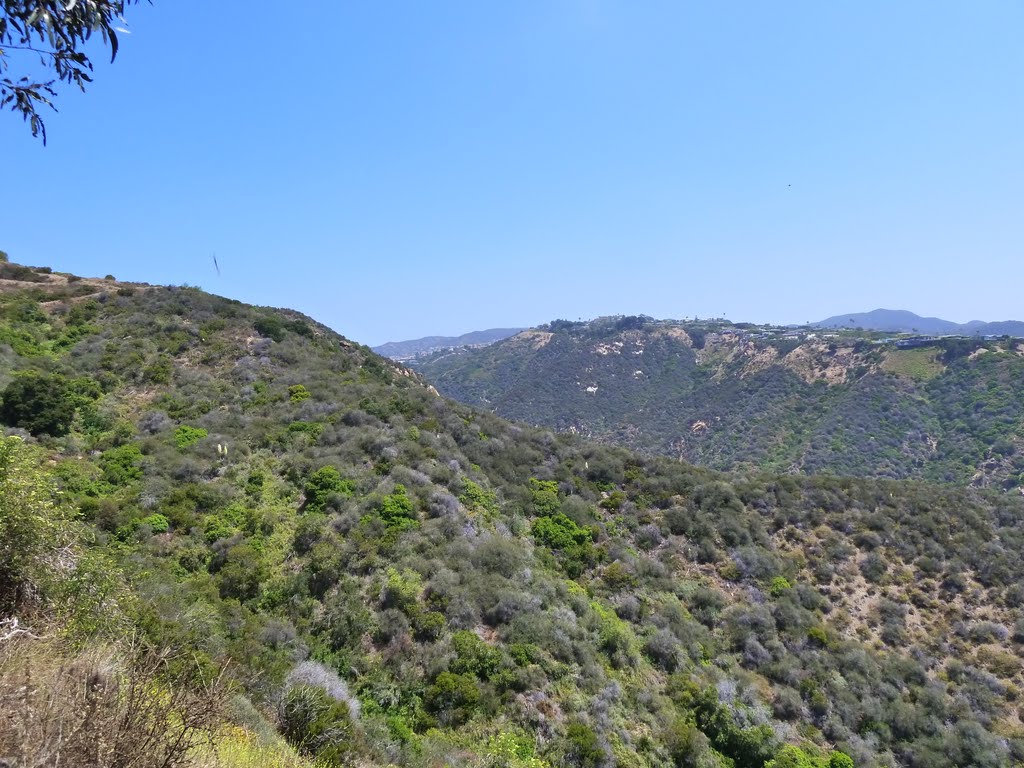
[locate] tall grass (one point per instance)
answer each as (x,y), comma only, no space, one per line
(102,707)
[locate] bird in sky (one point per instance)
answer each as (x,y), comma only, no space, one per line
(216,265)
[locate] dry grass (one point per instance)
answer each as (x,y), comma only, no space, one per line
(239,748)
(917,364)
(103,707)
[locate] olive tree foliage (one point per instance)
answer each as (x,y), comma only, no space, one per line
(55,32)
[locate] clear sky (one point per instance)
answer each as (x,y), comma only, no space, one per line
(399,169)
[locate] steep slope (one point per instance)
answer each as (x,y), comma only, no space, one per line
(726,396)
(399,579)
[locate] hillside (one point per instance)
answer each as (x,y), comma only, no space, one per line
(410,350)
(378,576)
(901,321)
(725,396)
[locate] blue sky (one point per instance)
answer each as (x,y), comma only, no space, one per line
(400,169)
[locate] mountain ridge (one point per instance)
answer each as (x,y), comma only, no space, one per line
(904,321)
(414,348)
(782,399)
(892,320)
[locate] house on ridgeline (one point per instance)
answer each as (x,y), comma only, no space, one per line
(916,341)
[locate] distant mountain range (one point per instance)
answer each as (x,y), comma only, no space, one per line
(410,350)
(901,321)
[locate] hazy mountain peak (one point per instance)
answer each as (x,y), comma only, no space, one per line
(413,348)
(904,321)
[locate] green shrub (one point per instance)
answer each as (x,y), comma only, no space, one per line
(397,509)
(317,725)
(271,327)
(216,528)
(513,750)
(583,747)
(297,393)
(474,656)
(524,653)
(10,271)
(184,436)
(324,483)
(476,499)
(308,532)
(243,573)
(794,757)
(41,403)
(300,327)
(618,577)
(559,532)
(345,618)
(614,500)
(428,625)
(401,590)
(544,494)
(572,542)
(452,698)
(159,371)
(122,465)
(819,636)
(157,523)
(689,747)
(778,586)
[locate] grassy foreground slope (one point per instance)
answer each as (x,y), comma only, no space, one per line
(381,576)
(725,396)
